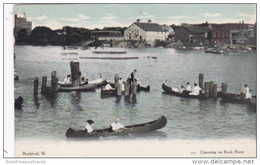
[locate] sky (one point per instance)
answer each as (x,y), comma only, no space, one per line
(91,16)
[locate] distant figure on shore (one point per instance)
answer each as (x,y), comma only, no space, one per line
(188,87)
(116,125)
(89,126)
(18,103)
(196,90)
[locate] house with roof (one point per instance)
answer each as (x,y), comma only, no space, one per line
(193,34)
(148,32)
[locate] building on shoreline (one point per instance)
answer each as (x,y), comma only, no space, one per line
(21,23)
(232,33)
(195,35)
(147,31)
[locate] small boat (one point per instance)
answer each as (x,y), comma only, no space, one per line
(98,82)
(215,51)
(185,94)
(143,88)
(109,52)
(131,129)
(82,88)
(236,98)
(112,92)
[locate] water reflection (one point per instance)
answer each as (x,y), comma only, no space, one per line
(75,100)
(51,99)
(36,101)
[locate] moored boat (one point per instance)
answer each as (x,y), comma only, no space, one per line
(99,82)
(131,129)
(215,51)
(185,94)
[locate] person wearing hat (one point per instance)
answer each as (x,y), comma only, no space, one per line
(196,90)
(89,126)
(116,125)
(188,87)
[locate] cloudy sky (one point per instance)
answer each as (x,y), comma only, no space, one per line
(106,15)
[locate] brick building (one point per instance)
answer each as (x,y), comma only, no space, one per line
(232,33)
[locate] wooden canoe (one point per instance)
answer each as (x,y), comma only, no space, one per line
(131,129)
(235,98)
(98,83)
(82,88)
(185,94)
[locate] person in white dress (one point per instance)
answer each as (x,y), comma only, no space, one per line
(188,87)
(116,125)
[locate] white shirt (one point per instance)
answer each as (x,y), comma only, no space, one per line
(116,126)
(248,94)
(188,87)
(243,90)
(195,91)
(108,87)
(89,128)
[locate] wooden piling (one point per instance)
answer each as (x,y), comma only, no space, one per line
(134,88)
(206,88)
(54,81)
(116,79)
(201,79)
(35,86)
(127,89)
(215,91)
(44,84)
(119,89)
(75,73)
(211,83)
(224,87)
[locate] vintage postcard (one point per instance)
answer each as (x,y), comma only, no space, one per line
(132,80)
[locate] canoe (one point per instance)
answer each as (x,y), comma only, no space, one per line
(185,94)
(143,88)
(235,98)
(107,93)
(131,129)
(98,83)
(82,88)
(112,92)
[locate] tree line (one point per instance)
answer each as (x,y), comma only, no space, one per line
(42,36)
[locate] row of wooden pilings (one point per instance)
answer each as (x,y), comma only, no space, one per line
(210,88)
(130,87)
(44,88)
(75,77)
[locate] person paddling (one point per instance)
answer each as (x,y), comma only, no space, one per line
(116,126)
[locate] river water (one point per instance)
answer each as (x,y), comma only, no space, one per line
(49,118)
